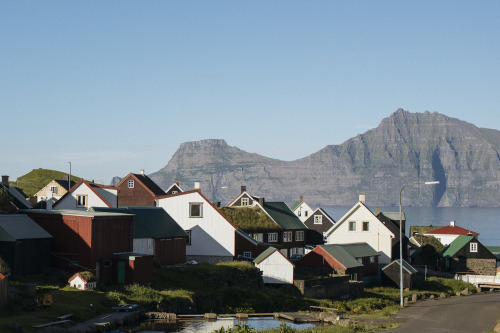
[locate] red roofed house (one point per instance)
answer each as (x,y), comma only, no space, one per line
(83,283)
(84,195)
(448,234)
(138,190)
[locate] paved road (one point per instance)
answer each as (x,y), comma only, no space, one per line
(467,314)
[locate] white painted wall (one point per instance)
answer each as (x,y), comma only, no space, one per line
(144,246)
(78,283)
(378,237)
(444,239)
(211,235)
(276,269)
(305,211)
(69,201)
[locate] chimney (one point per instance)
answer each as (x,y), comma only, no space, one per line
(197,186)
(452,223)
(66,178)
(377,210)
(261,201)
(362,198)
(301,198)
(216,204)
(142,172)
(48,202)
(243,188)
(176,180)
(5,180)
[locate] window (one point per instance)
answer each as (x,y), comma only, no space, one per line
(473,247)
(258,237)
(247,254)
(287,236)
(318,219)
(306,213)
(188,240)
(366,226)
(296,250)
(174,192)
(81,201)
(299,236)
(372,259)
(195,209)
(245,202)
(360,260)
(107,263)
(53,189)
(272,237)
(352,226)
(299,213)
(131,183)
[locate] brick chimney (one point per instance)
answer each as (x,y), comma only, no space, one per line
(377,210)
(5,180)
(261,201)
(301,198)
(243,188)
(176,180)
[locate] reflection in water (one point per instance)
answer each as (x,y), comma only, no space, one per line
(203,326)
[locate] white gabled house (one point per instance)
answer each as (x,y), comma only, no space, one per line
(275,267)
(359,224)
(84,195)
(211,237)
(302,209)
(85,282)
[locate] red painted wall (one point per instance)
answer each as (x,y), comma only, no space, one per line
(170,251)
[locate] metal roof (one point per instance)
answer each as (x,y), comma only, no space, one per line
(149,222)
(282,215)
(20,226)
(85,213)
(456,245)
(341,253)
(266,253)
(406,266)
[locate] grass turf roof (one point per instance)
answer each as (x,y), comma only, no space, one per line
(246,218)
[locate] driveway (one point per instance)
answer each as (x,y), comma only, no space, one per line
(467,314)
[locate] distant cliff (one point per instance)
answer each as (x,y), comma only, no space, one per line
(405,148)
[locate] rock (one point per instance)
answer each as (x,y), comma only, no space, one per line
(431,297)
(465,291)
(496,329)
(414,297)
(442,295)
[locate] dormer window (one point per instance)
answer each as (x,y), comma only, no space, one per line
(245,202)
(131,183)
(318,219)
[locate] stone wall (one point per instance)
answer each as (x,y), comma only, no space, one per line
(333,287)
(482,266)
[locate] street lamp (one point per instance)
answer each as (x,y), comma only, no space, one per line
(69,179)
(401,235)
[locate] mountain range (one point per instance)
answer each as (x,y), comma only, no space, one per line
(404,149)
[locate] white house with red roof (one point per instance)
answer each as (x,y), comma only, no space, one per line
(84,195)
(449,233)
(211,237)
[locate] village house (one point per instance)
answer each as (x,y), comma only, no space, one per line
(84,195)
(360,224)
(24,245)
(447,234)
(318,223)
(467,255)
(391,274)
(211,236)
(95,241)
(174,188)
(286,231)
(302,209)
(155,233)
(275,267)
(55,189)
(83,281)
(18,199)
(359,261)
(138,190)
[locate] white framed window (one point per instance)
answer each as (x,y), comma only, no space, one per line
(272,237)
(131,183)
(188,240)
(352,226)
(247,254)
(53,189)
(299,213)
(258,237)
(245,202)
(287,236)
(175,192)
(299,236)
(473,247)
(195,209)
(296,250)
(318,219)
(366,226)
(81,200)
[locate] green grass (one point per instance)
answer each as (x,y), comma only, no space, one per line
(36,179)
(248,218)
(284,328)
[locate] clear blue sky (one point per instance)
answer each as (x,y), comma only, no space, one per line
(117,86)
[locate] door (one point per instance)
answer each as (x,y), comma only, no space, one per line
(121,272)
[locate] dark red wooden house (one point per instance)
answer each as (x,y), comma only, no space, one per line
(138,190)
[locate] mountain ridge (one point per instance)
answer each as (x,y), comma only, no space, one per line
(404,148)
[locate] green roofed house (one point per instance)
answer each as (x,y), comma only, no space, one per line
(466,255)
(357,260)
(281,227)
(391,274)
(155,233)
(275,267)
